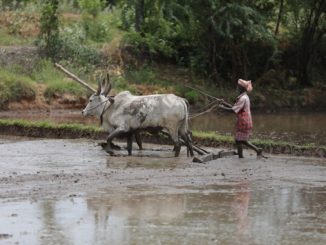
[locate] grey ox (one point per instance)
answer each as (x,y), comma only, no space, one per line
(127,114)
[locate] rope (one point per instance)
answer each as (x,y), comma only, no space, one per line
(204,112)
(206,106)
(98,105)
(215,101)
(204,93)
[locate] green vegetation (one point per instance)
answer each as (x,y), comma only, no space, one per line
(213,136)
(49,125)
(10,39)
(15,88)
(56,83)
(225,40)
(280,45)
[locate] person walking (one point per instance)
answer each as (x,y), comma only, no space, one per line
(244,120)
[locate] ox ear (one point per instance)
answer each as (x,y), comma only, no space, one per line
(106,85)
(111,99)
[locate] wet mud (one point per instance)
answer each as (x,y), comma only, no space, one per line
(56,191)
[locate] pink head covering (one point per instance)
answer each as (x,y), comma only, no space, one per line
(246,84)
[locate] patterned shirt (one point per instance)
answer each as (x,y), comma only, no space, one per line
(242,109)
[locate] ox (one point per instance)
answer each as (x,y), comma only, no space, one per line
(126,114)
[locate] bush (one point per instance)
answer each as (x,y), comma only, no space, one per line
(94,27)
(192,96)
(73,47)
(91,7)
(119,84)
(4,94)
(96,30)
(150,44)
(49,36)
(143,76)
(15,88)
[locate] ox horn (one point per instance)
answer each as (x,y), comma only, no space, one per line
(74,77)
(106,85)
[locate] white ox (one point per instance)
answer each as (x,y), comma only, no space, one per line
(126,114)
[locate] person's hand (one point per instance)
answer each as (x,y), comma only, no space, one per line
(223,102)
(221,106)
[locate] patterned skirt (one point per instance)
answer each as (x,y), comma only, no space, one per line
(243,126)
(242,135)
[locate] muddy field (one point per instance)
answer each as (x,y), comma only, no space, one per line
(71,192)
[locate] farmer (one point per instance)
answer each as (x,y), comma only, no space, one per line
(244,121)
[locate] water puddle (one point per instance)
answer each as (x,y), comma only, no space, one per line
(237,214)
(25,155)
(154,198)
(28,155)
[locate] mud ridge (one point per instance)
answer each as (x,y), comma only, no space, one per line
(58,131)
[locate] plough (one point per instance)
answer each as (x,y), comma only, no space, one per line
(204,155)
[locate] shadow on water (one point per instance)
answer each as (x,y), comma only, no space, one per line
(239,214)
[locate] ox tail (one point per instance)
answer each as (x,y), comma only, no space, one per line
(185,132)
(187,118)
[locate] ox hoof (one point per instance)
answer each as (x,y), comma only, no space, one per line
(113,146)
(108,149)
(259,152)
(177,151)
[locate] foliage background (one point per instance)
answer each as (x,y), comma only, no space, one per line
(278,44)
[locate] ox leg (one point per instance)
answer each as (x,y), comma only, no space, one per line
(188,142)
(117,132)
(138,140)
(177,145)
(129,144)
(177,148)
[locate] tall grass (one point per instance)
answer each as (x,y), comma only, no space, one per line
(55,81)
(7,39)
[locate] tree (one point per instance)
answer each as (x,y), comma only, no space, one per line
(231,28)
(279,16)
(49,34)
(313,29)
(210,36)
(140,14)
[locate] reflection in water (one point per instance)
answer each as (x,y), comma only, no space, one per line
(237,214)
(299,127)
(124,220)
(52,231)
(240,207)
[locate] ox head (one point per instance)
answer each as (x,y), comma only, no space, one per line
(99,99)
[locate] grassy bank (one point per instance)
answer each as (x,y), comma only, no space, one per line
(15,87)
(209,139)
